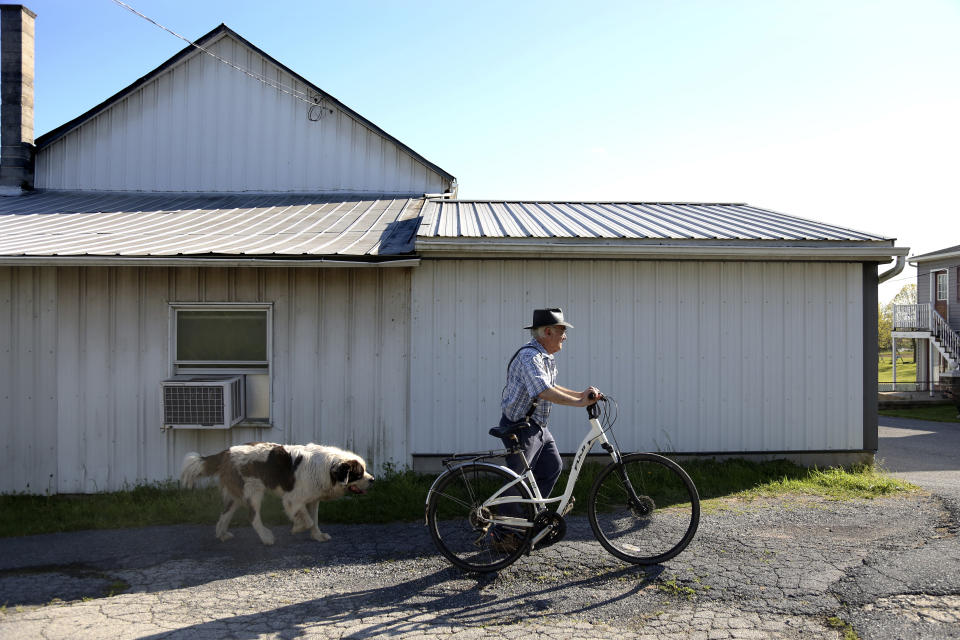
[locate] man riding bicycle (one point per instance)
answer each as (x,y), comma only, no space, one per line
(530,392)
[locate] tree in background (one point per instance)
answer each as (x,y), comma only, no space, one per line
(907,295)
(884,326)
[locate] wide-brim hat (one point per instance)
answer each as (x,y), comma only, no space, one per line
(548,318)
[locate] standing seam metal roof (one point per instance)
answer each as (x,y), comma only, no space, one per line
(289,225)
(443,219)
(52,224)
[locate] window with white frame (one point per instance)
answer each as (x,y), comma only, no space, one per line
(224,340)
(942,285)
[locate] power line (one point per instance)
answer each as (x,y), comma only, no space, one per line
(911,278)
(299,95)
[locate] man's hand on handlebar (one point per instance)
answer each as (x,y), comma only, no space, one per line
(591,395)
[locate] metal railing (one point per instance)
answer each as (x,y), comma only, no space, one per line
(923,317)
(948,338)
(911,316)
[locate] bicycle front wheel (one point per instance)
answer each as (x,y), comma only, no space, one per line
(644,510)
(465,531)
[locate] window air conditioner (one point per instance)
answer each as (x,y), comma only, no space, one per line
(202,402)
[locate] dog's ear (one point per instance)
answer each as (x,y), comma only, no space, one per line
(339,473)
(297,461)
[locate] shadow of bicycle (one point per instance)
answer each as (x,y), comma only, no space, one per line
(445,598)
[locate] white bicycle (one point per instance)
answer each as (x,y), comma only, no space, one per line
(643,507)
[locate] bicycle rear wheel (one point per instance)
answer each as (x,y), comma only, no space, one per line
(644,510)
(463,530)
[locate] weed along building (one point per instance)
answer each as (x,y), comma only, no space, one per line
(182,278)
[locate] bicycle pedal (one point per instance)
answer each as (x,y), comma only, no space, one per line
(567,509)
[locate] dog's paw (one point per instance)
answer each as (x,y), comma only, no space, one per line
(226,535)
(319,536)
(267,538)
(301,525)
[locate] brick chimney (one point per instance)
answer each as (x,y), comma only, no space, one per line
(16,99)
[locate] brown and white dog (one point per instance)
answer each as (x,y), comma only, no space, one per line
(322,473)
(302,475)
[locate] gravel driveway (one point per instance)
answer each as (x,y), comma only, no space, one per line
(770,568)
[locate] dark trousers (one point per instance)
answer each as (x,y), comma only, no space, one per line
(540,450)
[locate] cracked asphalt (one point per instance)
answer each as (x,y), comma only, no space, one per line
(788,567)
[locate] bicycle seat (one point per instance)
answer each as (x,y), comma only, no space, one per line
(507,429)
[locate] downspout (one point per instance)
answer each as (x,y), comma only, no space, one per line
(895,270)
(883,277)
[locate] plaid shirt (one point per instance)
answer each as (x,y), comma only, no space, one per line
(530,373)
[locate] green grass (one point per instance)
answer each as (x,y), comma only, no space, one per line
(935,413)
(834,483)
(396,496)
(842,626)
(400,496)
(906,371)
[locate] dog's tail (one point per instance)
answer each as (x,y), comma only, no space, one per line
(194,467)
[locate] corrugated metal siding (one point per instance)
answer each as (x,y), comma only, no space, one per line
(701,356)
(83,351)
(204,126)
(635,220)
(28,380)
(112,224)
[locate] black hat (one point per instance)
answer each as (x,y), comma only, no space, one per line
(548,318)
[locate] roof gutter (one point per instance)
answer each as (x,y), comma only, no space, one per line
(428,248)
(940,256)
(108,261)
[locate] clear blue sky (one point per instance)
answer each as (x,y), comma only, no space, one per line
(844,111)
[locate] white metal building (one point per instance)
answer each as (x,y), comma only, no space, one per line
(363,313)
(719,328)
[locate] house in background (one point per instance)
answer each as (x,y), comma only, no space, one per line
(935,319)
(214,256)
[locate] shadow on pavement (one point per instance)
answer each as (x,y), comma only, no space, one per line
(395,610)
(907,445)
(35,570)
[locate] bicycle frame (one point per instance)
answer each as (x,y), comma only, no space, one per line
(481,537)
(595,435)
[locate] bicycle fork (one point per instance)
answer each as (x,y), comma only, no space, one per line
(633,500)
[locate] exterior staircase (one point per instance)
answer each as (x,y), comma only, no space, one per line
(924,318)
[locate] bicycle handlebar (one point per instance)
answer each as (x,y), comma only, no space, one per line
(593,411)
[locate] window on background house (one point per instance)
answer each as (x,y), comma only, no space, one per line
(226,340)
(942,285)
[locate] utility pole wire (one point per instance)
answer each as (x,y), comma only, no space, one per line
(299,95)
